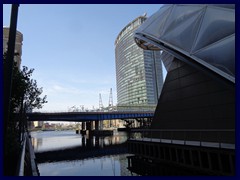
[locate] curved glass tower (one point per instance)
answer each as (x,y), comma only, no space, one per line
(138,71)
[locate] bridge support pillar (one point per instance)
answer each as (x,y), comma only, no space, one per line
(100,125)
(83,141)
(83,125)
(92,125)
(96,125)
(88,125)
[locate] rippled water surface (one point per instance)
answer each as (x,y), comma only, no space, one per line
(107,165)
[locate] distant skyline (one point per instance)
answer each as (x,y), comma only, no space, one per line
(71,48)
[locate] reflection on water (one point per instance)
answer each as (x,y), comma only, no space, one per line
(114,165)
(57,142)
(53,140)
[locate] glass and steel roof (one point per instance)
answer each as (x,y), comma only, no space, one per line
(203,33)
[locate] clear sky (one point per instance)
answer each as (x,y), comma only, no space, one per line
(71,48)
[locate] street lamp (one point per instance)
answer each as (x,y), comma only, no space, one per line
(8,69)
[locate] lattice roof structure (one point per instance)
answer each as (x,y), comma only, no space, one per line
(203,34)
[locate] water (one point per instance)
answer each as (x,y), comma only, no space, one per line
(114,165)
(64,153)
(54,140)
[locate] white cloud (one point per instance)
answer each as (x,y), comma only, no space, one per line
(61,97)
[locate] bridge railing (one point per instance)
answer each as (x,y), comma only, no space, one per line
(120,108)
(220,138)
(136,108)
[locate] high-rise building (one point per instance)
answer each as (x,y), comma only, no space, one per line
(18,45)
(138,71)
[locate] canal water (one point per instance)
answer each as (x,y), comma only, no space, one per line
(65,153)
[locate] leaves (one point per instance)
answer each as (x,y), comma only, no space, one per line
(32,92)
(25,89)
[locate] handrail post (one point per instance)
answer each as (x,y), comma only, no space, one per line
(184,139)
(160,136)
(151,135)
(219,139)
(200,138)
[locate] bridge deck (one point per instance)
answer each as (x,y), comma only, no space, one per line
(88,116)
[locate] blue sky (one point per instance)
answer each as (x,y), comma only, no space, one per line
(71,48)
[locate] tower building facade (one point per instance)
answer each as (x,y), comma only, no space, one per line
(138,72)
(18,45)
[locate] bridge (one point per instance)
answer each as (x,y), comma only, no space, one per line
(88,116)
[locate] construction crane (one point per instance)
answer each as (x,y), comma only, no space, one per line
(100,109)
(100,102)
(110,103)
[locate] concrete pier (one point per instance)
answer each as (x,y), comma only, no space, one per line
(96,125)
(94,128)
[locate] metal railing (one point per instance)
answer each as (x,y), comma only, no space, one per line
(220,138)
(120,108)
(20,169)
(27,158)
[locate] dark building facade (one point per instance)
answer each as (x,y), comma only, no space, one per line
(199,89)
(193,129)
